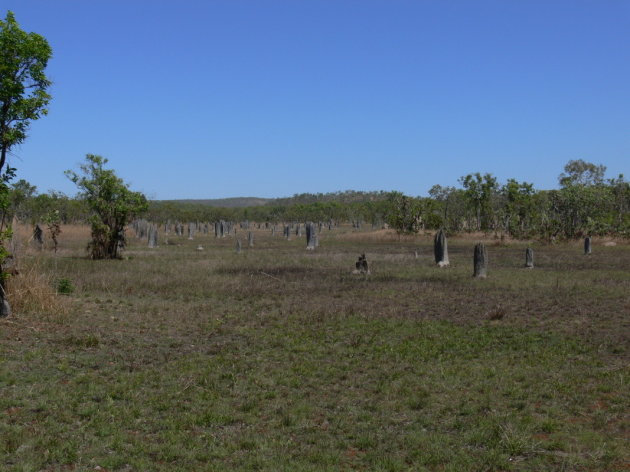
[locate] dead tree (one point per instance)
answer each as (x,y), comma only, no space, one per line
(54,229)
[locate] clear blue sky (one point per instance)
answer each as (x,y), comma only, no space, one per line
(210,99)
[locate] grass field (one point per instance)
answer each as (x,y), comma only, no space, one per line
(280,359)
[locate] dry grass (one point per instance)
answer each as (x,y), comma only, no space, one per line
(72,237)
(32,291)
(366,236)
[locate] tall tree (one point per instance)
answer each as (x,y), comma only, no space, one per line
(23,83)
(23,98)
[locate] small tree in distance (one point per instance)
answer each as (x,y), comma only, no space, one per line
(53,223)
(405,213)
(111,203)
(580,172)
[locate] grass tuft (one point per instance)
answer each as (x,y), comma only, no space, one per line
(32,290)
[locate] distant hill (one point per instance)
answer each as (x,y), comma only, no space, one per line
(236,202)
(346,196)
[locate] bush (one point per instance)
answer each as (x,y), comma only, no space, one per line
(65,287)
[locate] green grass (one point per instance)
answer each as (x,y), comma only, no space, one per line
(278,359)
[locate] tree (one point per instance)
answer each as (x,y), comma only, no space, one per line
(54,227)
(580,172)
(23,98)
(405,213)
(518,205)
(23,84)
(111,203)
(620,190)
(20,193)
(479,191)
(585,204)
(442,195)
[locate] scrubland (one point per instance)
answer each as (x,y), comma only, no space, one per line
(178,359)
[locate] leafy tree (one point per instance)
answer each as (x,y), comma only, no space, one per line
(479,192)
(54,227)
(586,204)
(112,205)
(580,172)
(21,193)
(23,189)
(443,196)
(518,206)
(23,84)
(405,214)
(574,210)
(23,98)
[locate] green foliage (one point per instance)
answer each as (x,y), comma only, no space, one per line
(514,208)
(65,286)
(54,227)
(578,210)
(23,84)
(20,193)
(587,204)
(479,192)
(346,196)
(405,215)
(580,172)
(23,98)
(112,205)
(5,222)
(518,207)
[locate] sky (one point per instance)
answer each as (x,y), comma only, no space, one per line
(269,98)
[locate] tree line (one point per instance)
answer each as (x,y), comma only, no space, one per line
(585,203)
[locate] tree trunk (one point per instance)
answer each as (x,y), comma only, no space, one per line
(5,308)
(3,157)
